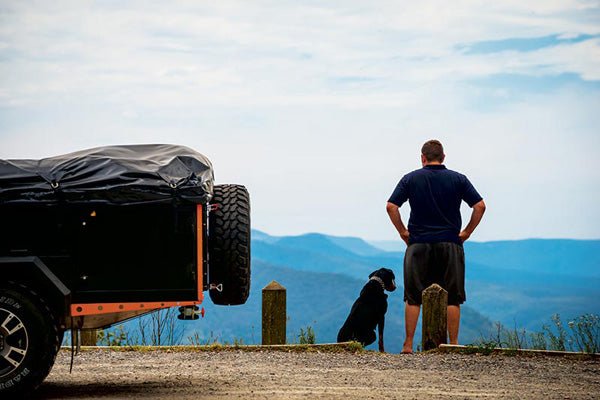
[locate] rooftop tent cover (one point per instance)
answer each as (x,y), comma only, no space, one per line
(124,175)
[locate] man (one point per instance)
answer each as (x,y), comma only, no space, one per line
(434,236)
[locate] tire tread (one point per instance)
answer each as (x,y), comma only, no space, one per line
(229,244)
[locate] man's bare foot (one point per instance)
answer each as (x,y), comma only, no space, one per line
(407,348)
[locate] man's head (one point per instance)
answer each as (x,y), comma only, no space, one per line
(432,152)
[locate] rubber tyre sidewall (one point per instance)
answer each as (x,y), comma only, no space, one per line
(42,334)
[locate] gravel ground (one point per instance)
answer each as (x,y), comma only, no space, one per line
(100,374)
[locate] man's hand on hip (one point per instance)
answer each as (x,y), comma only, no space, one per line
(393,211)
(405,235)
(476,215)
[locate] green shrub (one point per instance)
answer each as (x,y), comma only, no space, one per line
(586,333)
(557,338)
(118,336)
(307,336)
(537,341)
(197,340)
(583,335)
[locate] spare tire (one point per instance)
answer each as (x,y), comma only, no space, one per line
(229,245)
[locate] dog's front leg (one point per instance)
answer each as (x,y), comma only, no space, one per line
(381,325)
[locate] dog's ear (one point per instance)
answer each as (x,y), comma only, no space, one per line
(377,272)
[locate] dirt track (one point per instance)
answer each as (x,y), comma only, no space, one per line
(279,375)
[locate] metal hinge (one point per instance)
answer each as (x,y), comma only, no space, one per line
(217,287)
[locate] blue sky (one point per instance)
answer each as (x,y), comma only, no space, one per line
(321,108)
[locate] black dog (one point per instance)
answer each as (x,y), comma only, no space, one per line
(368,311)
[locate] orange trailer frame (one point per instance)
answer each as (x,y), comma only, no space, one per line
(88,309)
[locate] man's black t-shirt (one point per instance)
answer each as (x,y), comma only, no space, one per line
(434,194)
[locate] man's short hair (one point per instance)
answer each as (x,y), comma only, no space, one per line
(433,151)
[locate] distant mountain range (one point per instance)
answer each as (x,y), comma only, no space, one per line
(523,281)
(519,282)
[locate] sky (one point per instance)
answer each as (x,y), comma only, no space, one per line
(320,108)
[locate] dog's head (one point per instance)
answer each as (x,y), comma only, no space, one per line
(387,276)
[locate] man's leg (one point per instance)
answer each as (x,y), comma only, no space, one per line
(416,279)
(453,323)
(411,316)
(453,257)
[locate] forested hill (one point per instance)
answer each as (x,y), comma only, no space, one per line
(515,282)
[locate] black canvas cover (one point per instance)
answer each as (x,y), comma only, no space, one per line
(120,175)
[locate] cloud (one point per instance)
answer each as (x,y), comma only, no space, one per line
(96,49)
(523,44)
(320,107)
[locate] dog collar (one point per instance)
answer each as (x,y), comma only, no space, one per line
(378,279)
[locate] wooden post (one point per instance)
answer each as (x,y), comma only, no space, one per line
(273,314)
(89,337)
(435,317)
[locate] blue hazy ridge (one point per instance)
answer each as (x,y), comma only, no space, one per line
(519,282)
(321,300)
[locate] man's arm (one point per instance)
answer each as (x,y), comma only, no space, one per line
(394,213)
(476,215)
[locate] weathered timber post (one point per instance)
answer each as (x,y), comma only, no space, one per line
(273,314)
(435,317)
(89,337)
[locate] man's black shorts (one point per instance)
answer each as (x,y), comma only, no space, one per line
(428,263)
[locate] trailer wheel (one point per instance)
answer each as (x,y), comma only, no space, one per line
(29,340)
(229,245)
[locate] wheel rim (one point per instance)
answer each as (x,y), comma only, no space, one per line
(13,342)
